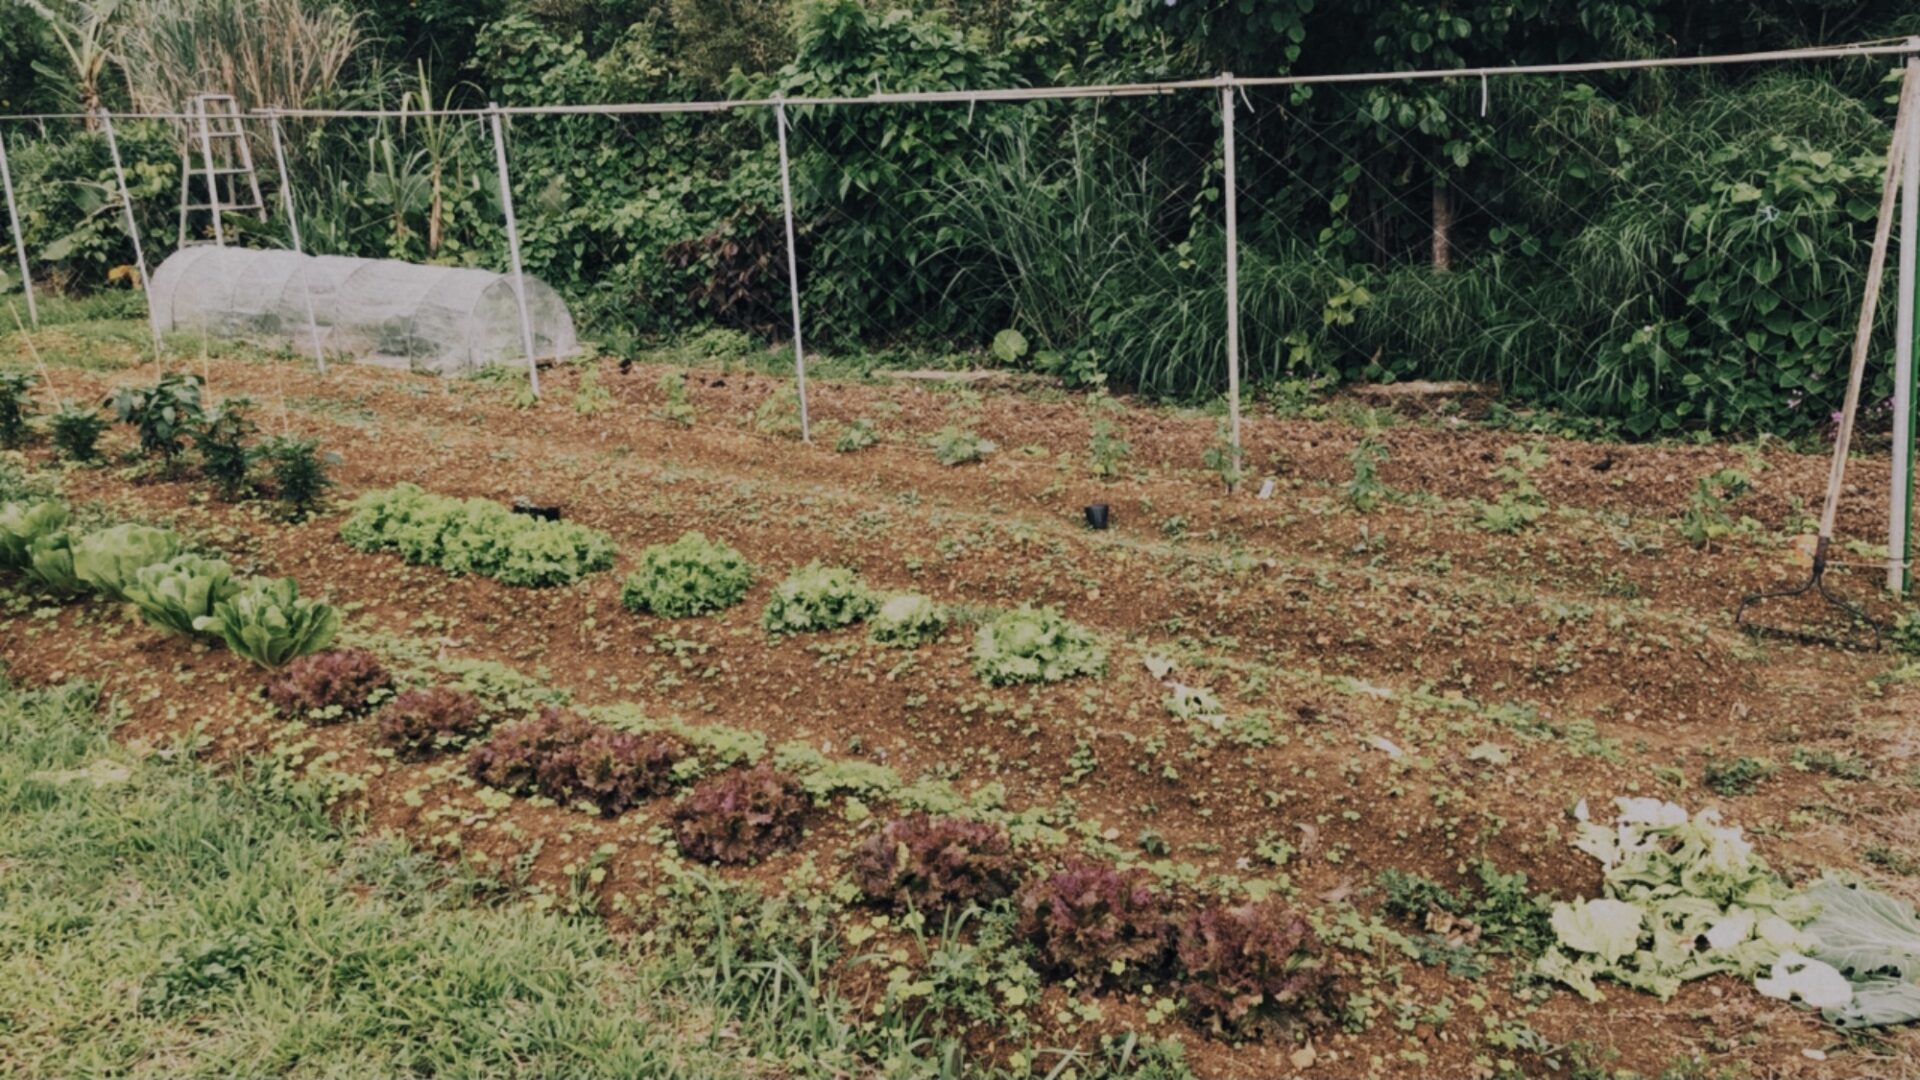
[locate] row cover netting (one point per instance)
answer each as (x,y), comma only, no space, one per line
(447,319)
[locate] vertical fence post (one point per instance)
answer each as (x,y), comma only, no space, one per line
(293,234)
(19,238)
(513,246)
(1900,502)
(133,228)
(793,270)
(206,165)
(1233,265)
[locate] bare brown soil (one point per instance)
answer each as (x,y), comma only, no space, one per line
(1595,649)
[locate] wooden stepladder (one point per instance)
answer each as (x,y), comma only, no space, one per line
(225,171)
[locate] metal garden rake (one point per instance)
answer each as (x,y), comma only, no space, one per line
(1858,623)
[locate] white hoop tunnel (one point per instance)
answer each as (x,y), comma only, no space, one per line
(445,319)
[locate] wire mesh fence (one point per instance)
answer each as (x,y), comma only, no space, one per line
(1593,237)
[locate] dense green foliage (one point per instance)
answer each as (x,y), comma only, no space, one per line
(691,576)
(1660,250)
(475,536)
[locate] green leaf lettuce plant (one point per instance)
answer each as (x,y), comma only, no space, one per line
(268,623)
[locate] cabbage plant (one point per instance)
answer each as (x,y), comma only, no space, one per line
(172,594)
(268,623)
(108,560)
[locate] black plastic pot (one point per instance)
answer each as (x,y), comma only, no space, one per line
(534,510)
(1097,516)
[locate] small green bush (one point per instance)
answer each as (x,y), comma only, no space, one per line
(691,576)
(16,406)
(268,623)
(475,536)
(817,597)
(171,595)
(1030,644)
(299,474)
(163,414)
(954,446)
(108,560)
(907,621)
(226,448)
(76,431)
(856,436)
(1905,635)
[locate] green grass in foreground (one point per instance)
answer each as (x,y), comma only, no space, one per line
(159,920)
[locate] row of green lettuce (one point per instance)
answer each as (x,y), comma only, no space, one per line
(264,620)
(696,576)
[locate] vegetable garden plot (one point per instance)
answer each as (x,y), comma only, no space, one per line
(1291,698)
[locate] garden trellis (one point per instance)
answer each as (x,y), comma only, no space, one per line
(1226,96)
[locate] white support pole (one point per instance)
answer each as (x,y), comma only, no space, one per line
(1233,265)
(293,233)
(133,228)
(1900,501)
(793,271)
(513,247)
(19,239)
(213,181)
(286,189)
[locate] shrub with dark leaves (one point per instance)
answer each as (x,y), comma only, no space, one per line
(511,759)
(934,863)
(614,770)
(429,720)
(1252,969)
(328,687)
(1098,923)
(740,816)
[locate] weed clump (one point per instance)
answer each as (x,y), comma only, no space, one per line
(16,407)
(818,597)
(1030,644)
(935,863)
(691,576)
(330,686)
(422,722)
(1097,923)
(1251,970)
(740,816)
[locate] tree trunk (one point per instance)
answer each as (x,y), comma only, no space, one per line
(1442,226)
